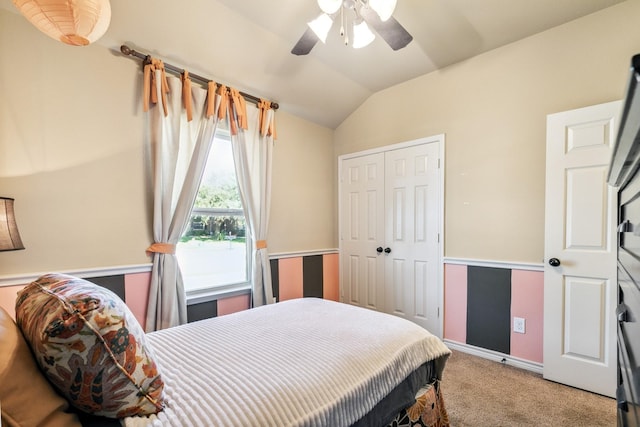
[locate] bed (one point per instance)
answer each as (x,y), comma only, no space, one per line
(303,362)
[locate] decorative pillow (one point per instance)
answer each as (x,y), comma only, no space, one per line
(27,397)
(90,346)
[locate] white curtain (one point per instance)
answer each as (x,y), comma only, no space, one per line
(182,125)
(181,129)
(252,153)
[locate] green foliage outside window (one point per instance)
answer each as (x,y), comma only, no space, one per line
(225,196)
(216,227)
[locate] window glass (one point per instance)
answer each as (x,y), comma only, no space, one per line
(213,250)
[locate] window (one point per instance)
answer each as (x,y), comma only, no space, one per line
(212,252)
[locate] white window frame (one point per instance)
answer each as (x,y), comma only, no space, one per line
(214,292)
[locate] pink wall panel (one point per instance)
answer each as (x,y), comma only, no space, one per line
(527,299)
(290,278)
(136,294)
(233,304)
(330,277)
(8,298)
(455,302)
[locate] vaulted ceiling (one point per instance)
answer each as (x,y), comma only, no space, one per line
(246,44)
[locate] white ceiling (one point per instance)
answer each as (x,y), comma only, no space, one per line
(246,44)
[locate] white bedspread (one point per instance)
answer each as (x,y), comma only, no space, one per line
(304,362)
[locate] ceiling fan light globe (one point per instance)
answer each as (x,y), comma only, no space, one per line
(329,6)
(321,26)
(384,8)
(362,35)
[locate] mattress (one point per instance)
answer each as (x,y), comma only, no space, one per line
(303,362)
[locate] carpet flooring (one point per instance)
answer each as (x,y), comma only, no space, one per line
(479,392)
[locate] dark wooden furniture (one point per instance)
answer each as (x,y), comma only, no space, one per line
(624,173)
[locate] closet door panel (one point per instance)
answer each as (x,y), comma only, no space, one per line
(362,231)
(412,212)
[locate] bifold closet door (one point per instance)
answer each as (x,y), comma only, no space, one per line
(389,225)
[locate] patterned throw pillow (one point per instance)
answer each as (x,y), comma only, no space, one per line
(90,346)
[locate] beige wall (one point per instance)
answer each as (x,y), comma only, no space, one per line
(492,109)
(73,157)
(72,153)
(303,201)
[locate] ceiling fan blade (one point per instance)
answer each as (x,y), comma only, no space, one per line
(306,43)
(390,30)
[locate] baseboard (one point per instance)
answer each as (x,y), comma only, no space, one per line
(495,356)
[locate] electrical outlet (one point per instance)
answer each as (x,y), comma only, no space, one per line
(518,325)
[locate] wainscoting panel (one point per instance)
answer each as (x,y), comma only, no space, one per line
(330,277)
(455,302)
(202,310)
(527,302)
(481,301)
(132,288)
(233,304)
(275,278)
(114,283)
(312,268)
(290,278)
(313,275)
(136,294)
(296,276)
(489,308)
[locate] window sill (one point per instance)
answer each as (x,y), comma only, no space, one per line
(198,297)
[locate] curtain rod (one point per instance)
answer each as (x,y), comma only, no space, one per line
(126,50)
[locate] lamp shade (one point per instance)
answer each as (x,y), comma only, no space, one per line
(9,236)
(74,22)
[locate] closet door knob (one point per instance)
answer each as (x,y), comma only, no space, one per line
(379,249)
(387,250)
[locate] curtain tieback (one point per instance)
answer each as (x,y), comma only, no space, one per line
(161,248)
(261,244)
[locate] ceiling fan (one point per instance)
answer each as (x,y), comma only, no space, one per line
(361,14)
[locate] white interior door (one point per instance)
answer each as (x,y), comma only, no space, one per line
(412,265)
(580,250)
(390,222)
(362,231)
